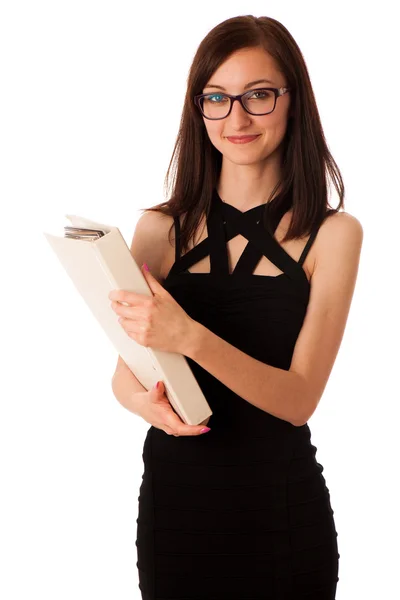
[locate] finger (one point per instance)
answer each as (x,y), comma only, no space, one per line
(135,329)
(167,429)
(130,312)
(180,428)
(125,296)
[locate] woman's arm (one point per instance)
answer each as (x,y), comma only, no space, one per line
(125,385)
(294,395)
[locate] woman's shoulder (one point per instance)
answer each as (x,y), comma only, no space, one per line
(156,224)
(151,240)
(339,230)
(338,222)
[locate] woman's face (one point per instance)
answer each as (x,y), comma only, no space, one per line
(233,76)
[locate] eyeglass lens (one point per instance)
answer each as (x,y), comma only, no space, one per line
(258,102)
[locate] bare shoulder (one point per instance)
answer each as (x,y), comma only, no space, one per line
(153,222)
(341,221)
(341,234)
(150,241)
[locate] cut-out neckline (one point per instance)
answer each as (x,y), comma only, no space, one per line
(224,218)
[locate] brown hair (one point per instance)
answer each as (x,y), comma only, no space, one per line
(306,160)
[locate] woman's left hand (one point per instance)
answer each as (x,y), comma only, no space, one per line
(156,321)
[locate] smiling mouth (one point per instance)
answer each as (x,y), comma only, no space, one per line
(242,139)
(239,137)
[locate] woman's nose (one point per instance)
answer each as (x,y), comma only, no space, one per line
(239,114)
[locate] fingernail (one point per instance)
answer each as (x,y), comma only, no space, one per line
(155,386)
(205,429)
(146,267)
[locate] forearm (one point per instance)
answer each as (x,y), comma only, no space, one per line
(125,387)
(276,391)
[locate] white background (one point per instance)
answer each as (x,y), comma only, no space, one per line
(82,132)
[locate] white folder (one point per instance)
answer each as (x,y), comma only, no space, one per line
(97,266)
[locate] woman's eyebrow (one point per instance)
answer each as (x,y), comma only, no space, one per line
(248,85)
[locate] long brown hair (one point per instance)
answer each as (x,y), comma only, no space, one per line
(195,164)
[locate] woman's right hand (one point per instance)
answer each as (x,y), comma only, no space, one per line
(155,409)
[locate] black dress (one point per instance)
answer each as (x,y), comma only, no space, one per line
(241,512)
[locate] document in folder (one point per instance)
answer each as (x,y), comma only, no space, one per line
(98,260)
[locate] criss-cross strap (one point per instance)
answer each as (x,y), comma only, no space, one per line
(219,233)
(257,246)
(240,223)
(265,243)
(193,255)
(251,255)
(225,222)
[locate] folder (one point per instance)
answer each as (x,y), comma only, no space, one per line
(98,260)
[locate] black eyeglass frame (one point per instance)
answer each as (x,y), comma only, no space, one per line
(277,92)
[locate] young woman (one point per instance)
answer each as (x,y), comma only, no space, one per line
(254,289)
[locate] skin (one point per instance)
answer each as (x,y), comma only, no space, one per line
(249,172)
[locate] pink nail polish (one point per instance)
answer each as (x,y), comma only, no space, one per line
(205,429)
(146,267)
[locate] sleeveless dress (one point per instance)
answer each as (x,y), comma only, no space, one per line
(241,512)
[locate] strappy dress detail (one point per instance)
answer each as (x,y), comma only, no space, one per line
(224,222)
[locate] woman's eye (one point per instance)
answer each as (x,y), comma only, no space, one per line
(262,94)
(216,98)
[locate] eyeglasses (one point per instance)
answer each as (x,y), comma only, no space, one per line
(260,101)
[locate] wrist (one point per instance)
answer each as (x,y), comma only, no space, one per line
(194,339)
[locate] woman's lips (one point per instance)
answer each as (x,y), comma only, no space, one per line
(242,139)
